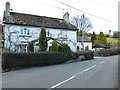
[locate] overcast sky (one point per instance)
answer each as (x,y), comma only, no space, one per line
(107,9)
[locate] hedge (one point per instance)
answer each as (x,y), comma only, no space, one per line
(88,55)
(12,61)
(109,52)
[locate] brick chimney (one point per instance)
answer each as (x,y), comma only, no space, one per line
(66,17)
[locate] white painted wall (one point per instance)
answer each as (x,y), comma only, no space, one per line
(89,44)
(16,38)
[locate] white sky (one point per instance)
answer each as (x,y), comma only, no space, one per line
(107,9)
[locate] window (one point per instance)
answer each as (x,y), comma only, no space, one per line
(28,32)
(21,32)
(48,33)
(64,33)
(25,31)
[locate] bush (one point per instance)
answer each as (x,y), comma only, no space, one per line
(109,52)
(86,48)
(107,35)
(54,46)
(64,48)
(75,55)
(12,61)
(88,55)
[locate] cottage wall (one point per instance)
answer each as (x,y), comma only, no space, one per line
(16,35)
(89,44)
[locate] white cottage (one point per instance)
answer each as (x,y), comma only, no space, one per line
(83,42)
(20,29)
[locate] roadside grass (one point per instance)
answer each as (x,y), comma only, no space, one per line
(113,40)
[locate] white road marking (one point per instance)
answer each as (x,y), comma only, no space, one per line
(85,70)
(89,68)
(61,83)
(102,62)
(77,74)
(71,77)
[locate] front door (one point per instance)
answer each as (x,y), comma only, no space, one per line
(23,48)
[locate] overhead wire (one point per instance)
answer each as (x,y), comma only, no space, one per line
(85,12)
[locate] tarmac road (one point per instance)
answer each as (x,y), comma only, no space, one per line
(102,72)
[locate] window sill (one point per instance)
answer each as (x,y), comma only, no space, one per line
(25,35)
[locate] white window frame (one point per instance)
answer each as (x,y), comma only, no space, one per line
(25,32)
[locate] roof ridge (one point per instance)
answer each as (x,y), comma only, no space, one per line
(35,15)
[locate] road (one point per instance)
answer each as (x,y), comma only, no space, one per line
(102,72)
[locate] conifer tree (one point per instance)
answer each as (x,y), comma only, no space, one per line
(93,38)
(42,39)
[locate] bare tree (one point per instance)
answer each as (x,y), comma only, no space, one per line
(82,23)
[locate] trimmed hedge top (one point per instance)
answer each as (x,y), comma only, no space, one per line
(11,61)
(23,60)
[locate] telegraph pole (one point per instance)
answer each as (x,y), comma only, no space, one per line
(82,31)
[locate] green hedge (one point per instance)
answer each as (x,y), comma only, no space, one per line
(12,61)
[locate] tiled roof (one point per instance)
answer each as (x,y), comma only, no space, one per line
(86,39)
(34,20)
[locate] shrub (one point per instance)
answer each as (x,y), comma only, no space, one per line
(64,48)
(102,52)
(88,55)
(91,53)
(12,61)
(75,55)
(107,35)
(5,50)
(54,46)
(86,48)
(101,38)
(109,52)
